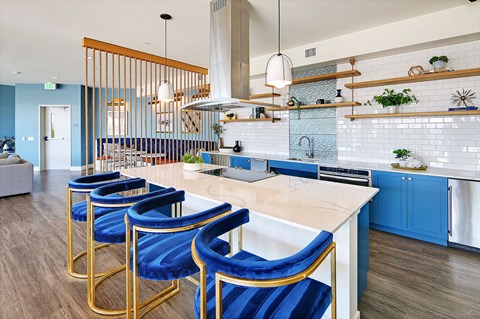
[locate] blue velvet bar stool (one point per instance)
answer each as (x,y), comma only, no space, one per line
(248,286)
(78,211)
(110,228)
(164,251)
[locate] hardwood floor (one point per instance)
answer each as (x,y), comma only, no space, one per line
(407,278)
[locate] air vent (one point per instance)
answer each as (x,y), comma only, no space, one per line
(310,52)
(219,4)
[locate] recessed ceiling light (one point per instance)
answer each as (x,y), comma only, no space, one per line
(54,77)
(16,72)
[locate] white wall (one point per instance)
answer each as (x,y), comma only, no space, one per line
(449,142)
(461,21)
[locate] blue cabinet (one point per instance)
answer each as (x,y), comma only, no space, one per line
(294,169)
(207,158)
(411,205)
(240,162)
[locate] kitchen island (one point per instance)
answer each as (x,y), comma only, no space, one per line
(286,214)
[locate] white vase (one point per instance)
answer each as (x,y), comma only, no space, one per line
(402,163)
(392,109)
(339,99)
(191,167)
(439,66)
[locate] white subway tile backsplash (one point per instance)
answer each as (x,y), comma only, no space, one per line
(449,142)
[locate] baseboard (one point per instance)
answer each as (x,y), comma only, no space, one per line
(80,168)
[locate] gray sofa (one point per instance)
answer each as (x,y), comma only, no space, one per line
(16,176)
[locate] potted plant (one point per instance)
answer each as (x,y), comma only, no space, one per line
(218,130)
(390,98)
(439,63)
(402,155)
(192,162)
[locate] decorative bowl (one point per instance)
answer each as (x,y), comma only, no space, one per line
(191,167)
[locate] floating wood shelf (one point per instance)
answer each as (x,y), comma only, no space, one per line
(412,79)
(270,119)
(313,106)
(323,77)
(410,114)
(263,95)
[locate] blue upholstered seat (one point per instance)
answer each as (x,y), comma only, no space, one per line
(90,182)
(111,229)
(169,256)
(304,298)
(164,252)
(79,210)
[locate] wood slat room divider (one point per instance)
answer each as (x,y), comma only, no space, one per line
(125,125)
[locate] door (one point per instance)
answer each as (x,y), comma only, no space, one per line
(56,137)
(389,205)
(427,206)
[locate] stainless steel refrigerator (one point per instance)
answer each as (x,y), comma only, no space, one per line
(464,212)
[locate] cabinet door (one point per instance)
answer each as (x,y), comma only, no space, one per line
(206,158)
(427,206)
(389,205)
(240,161)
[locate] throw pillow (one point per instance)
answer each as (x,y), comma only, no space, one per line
(4,154)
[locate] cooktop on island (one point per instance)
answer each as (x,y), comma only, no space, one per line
(239,174)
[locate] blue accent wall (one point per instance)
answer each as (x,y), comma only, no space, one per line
(7,111)
(320,125)
(28,99)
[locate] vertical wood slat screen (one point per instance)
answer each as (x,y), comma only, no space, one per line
(125,125)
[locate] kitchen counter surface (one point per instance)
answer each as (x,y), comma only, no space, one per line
(431,171)
(310,204)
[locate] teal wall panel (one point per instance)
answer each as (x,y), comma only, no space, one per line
(7,110)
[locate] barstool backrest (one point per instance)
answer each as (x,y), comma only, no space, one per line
(86,184)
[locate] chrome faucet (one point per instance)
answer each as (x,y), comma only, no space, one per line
(308,153)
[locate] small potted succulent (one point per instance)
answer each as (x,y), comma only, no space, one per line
(402,155)
(439,63)
(192,162)
(391,99)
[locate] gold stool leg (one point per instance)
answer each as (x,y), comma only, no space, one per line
(92,283)
(71,259)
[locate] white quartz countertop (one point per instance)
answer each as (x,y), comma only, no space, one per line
(311,204)
(431,171)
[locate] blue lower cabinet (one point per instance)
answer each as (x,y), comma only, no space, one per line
(207,158)
(411,205)
(294,169)
(240,162)
(363,248)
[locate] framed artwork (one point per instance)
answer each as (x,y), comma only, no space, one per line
(117,119)
(164,122)
(191,122)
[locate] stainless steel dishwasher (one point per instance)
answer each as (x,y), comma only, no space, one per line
(345,175)
(464,213)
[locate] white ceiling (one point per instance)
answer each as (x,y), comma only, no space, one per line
(42,38)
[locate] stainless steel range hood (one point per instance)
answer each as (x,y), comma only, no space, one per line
(229,59)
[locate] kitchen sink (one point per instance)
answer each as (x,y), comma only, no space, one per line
(308,160)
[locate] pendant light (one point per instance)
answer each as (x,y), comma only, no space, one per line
(279,67)
(165,90)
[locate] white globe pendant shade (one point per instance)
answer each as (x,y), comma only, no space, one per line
(279,71)
(165,91)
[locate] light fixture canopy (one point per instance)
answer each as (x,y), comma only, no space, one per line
(165,90)
(278,72)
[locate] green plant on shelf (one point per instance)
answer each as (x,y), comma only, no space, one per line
(438,58)
(402,154)
(391,98)
(191,159)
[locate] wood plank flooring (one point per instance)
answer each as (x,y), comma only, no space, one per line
(407,278)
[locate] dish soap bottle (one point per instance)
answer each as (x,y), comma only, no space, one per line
(237,148)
